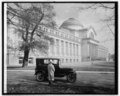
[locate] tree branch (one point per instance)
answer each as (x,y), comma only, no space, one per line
(32,33)
(107,7)
(110,30)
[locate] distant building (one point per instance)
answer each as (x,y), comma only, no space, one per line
(73,44)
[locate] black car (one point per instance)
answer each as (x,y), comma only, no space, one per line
(41,70)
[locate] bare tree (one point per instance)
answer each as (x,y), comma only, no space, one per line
(108,20)
(26,19)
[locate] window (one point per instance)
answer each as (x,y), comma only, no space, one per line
(74,60)
(30,60)
(77,60)
(66,60)
(46,61)
(55,61)
(20,60)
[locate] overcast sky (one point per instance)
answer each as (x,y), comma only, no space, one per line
(87,18)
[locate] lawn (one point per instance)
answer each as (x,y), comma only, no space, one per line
(87,83)
(20,81)
(59,89)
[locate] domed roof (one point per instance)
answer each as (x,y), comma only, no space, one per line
(72,24)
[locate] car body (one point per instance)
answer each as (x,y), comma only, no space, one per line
(41,70)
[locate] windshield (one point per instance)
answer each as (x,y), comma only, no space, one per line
(46,61)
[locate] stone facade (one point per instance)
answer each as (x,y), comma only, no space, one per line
(73,44)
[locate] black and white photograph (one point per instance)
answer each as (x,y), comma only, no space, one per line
(60,47)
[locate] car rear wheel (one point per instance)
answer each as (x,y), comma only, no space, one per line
(40,77)
(71,77)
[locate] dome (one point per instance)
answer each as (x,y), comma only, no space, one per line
(72,24)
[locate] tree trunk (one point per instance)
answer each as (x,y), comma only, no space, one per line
(25,59)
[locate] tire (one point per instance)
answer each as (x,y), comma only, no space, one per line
(40,77)
(71,77)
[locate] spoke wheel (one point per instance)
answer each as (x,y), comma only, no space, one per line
(40,77)
(71,77)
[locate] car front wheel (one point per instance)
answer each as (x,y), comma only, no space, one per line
(71,77)
(40,77)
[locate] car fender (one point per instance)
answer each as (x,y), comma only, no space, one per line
(71,72)
(40,71)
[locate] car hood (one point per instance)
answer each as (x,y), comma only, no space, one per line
(66,68)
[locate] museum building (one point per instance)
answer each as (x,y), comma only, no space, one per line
(73,43)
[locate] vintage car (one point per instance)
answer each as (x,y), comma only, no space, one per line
(41,70)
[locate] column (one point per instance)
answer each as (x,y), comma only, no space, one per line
(60,48)
(62,51)
(55,47)
(79,53)
(72,49)
(68,49)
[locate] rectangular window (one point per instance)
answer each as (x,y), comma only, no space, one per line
(77,60)
(46,61)
(30,60)
(66,60)
(73,60)
(20,60)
